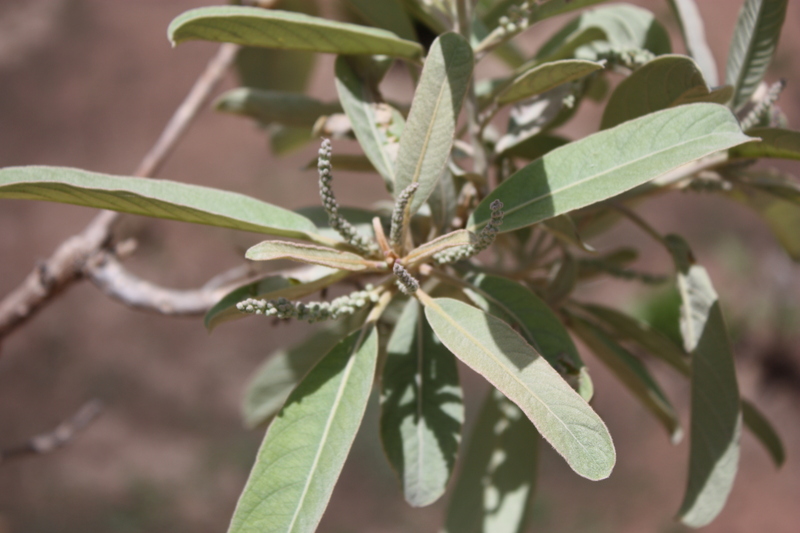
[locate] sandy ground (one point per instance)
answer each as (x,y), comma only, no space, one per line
(89,84)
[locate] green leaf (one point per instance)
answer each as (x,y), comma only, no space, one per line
(546,77)
(361,100)
(421,408)
(626,27)
(271,288)
(758,424)
(386,14)
(277,377)
(306,445)
(564,229)
(426,251)
(290,109)
(716,424)
(626,327)
(610,162)
(781,213)
(155,198)
(694,35)
(314,255)
(494,491)
(753,45)
(632,373)
(664,82)
(775,142)
(428,134)
(443,202)
(536,321)
(529,119)
(562,282)
(271,28)
(497,352)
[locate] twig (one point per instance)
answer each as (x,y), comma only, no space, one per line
(60,436)
(67,264)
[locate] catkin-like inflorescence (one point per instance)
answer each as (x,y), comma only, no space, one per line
(485,238)
(399,215)
(335,219)
(761,110)
(516,19)
(631,58)
(310,311)
(405,281)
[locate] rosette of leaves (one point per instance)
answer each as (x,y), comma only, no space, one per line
(483,257)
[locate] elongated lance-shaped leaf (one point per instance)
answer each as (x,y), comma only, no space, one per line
(763,430)
(306,445)
(443,202)
(282,286)
(775,142)
(536,321)
(360,98)
(428,133)
(271,28)
(694,35)
(497,352)
(271,384)
(155,198)
(545,77)
(494,491)
(386,14)
(664,82)
(421,408)
(453,239)
(314,255)
(656,343)
(632,373)
(716,424)
(610,162)
(290,109)
(753,45)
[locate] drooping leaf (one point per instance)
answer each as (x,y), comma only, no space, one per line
(361,100)
(426,251)
(536,321)
(694,35)
(564,229)
(781,213)
(531,118)
(443,202)
(270,288)
(753,45)
(155,198)
(632,373)
(716,423)
(290,109)
(494,491)
(497,352)
(271,28)
(277,377)
(546,77)
(610,162)
(775,142)
(562,280)
(311,254)
(664,82)
(428,133)
(421,408)
(761,427)
(306,445)
(386,14)
(626,327)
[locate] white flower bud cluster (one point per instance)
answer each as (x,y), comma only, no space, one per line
(405,281)
(762,109)
(335,220)
(517,19)
(311,311)
(398,215)
(631,58)
(485,239)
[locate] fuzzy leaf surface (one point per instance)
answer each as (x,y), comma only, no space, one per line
(314,255)
(272,28)
(306,445)
(497,352)
(545,77)
(610,162)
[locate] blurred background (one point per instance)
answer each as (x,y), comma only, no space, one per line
(90,84)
